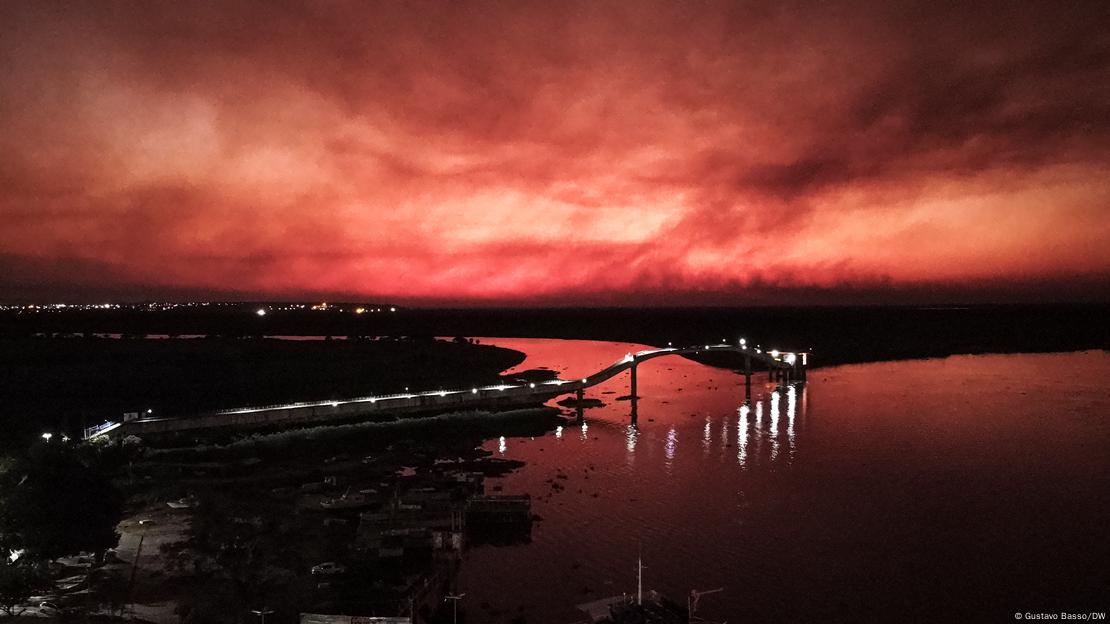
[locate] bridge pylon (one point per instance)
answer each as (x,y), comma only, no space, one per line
(747,378)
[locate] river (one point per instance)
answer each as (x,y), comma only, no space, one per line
(957,489)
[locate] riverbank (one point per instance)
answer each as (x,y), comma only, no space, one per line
(64,383)
(836,335)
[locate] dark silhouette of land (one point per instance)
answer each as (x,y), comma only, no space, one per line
(67,383)
(836,335)
(58,374)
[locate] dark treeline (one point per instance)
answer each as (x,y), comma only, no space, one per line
(835,334)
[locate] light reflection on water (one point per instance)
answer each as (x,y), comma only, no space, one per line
(742,435)
(773,430)
(872,490)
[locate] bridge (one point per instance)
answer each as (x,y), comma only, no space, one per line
(782,366)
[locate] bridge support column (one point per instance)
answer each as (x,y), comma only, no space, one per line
(579,412)
(632,385)
(747,378)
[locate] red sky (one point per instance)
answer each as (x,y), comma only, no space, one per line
(555,152)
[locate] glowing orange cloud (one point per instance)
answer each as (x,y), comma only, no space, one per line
(554,152)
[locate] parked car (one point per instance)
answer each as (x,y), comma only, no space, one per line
(329,568)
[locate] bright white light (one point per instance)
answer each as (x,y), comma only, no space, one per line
(774,353)
(758,351)
(335,404)
(501,445)
(149,411)
(47,436)
(671,444)
(668,344)
(260,312)
(393,309)
(531,385)
(473,391)
(743,342)
(790,358)
(583,380)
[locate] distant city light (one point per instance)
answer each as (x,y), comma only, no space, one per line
(393,309)
(360,310)
(260,312)
(743,342)
(47,436)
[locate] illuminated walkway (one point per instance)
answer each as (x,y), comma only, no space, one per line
(782,366)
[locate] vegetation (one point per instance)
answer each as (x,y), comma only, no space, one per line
(67,382)
(19,580)
(55,502)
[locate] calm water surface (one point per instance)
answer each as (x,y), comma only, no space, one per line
(961,489)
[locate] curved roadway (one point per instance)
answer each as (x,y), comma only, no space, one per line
(424,401)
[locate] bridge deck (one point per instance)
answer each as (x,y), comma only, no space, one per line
(319,411)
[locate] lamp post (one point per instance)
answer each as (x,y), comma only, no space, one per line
(262,613)
(454,598)
(143,524)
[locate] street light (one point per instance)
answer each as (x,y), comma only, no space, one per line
(454,605)
(262,613)
(47,436)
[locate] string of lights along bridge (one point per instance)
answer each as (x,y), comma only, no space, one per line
(782,366)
